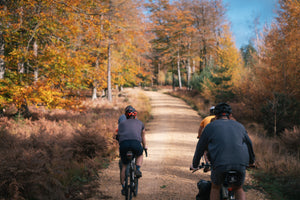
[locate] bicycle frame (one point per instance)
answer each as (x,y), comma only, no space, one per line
(131,182)
(227,190)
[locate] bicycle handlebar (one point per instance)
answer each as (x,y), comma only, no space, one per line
(203,165)
(200,167)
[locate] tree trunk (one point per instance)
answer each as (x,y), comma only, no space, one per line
(2,45)
(94,95)
(194,66)
(178,70)
(109,92)
(2,67)
(36,68)
(95,84)
(173,78)
(109,95)
(21,67)
(275,102)
(188,73)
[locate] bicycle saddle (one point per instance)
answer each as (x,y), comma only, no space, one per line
(129,155)
(231,177)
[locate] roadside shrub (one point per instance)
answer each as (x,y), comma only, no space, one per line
(291,140)
(57,155)
(161,78)
(26,171)
(278,167)
(52,157)
(169,78)
(88,143)
(196,82)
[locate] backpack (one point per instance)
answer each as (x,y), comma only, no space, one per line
(204,190)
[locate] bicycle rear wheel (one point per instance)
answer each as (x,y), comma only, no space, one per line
(132,183)
(226,195)
(127,183)
(136,184)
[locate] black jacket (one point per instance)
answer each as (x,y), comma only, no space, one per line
(227,143)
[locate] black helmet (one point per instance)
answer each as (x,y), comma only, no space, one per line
(128,108)
(223,109)
(130,111)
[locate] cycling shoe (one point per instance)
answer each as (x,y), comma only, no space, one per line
(123,191)
(138,173)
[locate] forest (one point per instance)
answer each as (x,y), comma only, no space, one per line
(58,54)
(54,52)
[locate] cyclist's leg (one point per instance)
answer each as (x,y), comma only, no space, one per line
(139,160)
(124,147)
(239,193)
(238,188)
(120,167)
(215,192)
(138,152)
(216,181)
(122,179)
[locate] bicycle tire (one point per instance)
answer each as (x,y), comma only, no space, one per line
(136,186)
(222,197)
(230,195)
(131,181)
(127,184)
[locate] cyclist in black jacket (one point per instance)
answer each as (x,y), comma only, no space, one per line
(229,148)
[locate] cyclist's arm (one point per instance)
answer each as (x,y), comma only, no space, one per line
(250,149)
(200,128)
(144,139)
(200,131)
(200,148)
(116,136)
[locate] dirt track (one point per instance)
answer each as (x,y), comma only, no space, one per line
(171,138)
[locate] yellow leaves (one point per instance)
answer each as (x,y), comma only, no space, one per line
(280,52)
(21,94)
(228,55)
(72,38)
(50,97)
(117,15)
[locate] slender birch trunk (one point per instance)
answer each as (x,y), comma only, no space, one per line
(178,69)
(109,92)
(36,68)
(2,66)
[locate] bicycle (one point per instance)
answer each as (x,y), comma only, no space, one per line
(131,181)
(230,178)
